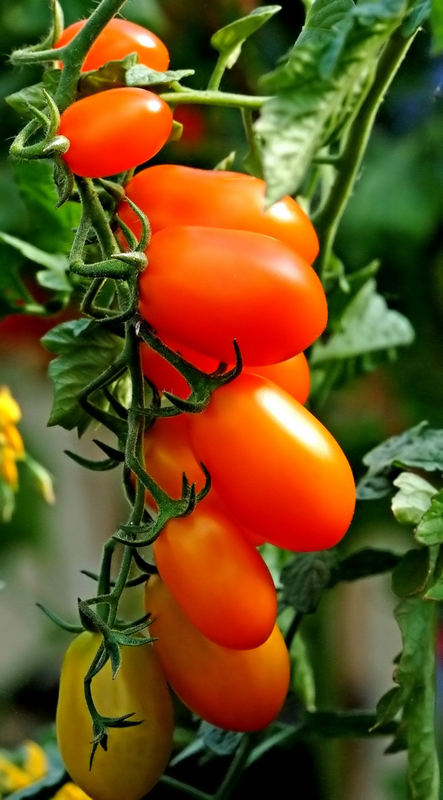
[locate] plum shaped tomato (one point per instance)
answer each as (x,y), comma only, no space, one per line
(274,465)
(291,375)
(171,194)
(205,287)
(136,756)
(114,130)
(169,455)
(118,39)
(240,690)
(217,576)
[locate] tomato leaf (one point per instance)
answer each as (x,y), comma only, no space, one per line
(437,28)
(33,95)
(49,227)
(366,326)
(56,264)
(430,527)
(228,40)
(84,349)
(219,741)
(111,75)
(321,85)
(413,573)
(140,75)
(412,499)
(305,577)
(14,297)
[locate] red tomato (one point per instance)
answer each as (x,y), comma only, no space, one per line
(218,578)
(206,286)
(168,454)
(115,130)
(274,465)
(171,194)
(118,39)
(241,690)
(291,375)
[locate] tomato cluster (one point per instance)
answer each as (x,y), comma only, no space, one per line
(221,267)
(118,129)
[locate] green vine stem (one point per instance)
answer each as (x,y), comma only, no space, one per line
(329,216)
(214,98)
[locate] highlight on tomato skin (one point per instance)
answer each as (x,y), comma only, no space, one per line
(206,287)
(172,194)
(217,577)
(240,690)
(119,38)
(114,130)
(274,465)
(291,375)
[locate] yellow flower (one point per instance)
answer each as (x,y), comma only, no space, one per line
(34,767)
(11,443)
(71,792)
(9,408)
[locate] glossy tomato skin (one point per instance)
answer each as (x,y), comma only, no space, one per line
(114,130)
(240,690)
(291,375)
(171,194)
(206,286)
(118,39)
(274,465)
(217,577)
(136,756)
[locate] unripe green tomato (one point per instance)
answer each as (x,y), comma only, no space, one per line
(136,756)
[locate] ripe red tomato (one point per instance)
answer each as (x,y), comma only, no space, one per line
(115,130)
(241,690)
(117,39)
(206,286)
(168,454)
(217,577)
(291,375)
(274,465)
(171,194)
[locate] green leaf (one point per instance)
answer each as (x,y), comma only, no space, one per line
(416,677)
(50,228)
(367,326)
(54,276)
(321,85)
(413,498)
(305,577)
(220,742)
(140,75)
(420,12)
(84,350)
(363,564)
(430,528)
(111,75)
(419,447)
(33,95)
(437,27)
(411,575)
(228,41)
(14,297)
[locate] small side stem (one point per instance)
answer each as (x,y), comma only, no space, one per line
(214,98)
(329,217)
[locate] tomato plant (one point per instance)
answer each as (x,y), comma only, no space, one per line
(241,690)
(226,590)
(171,194)
(275,466)
(117,39)
(135,756)
(113,131)
(207,286)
